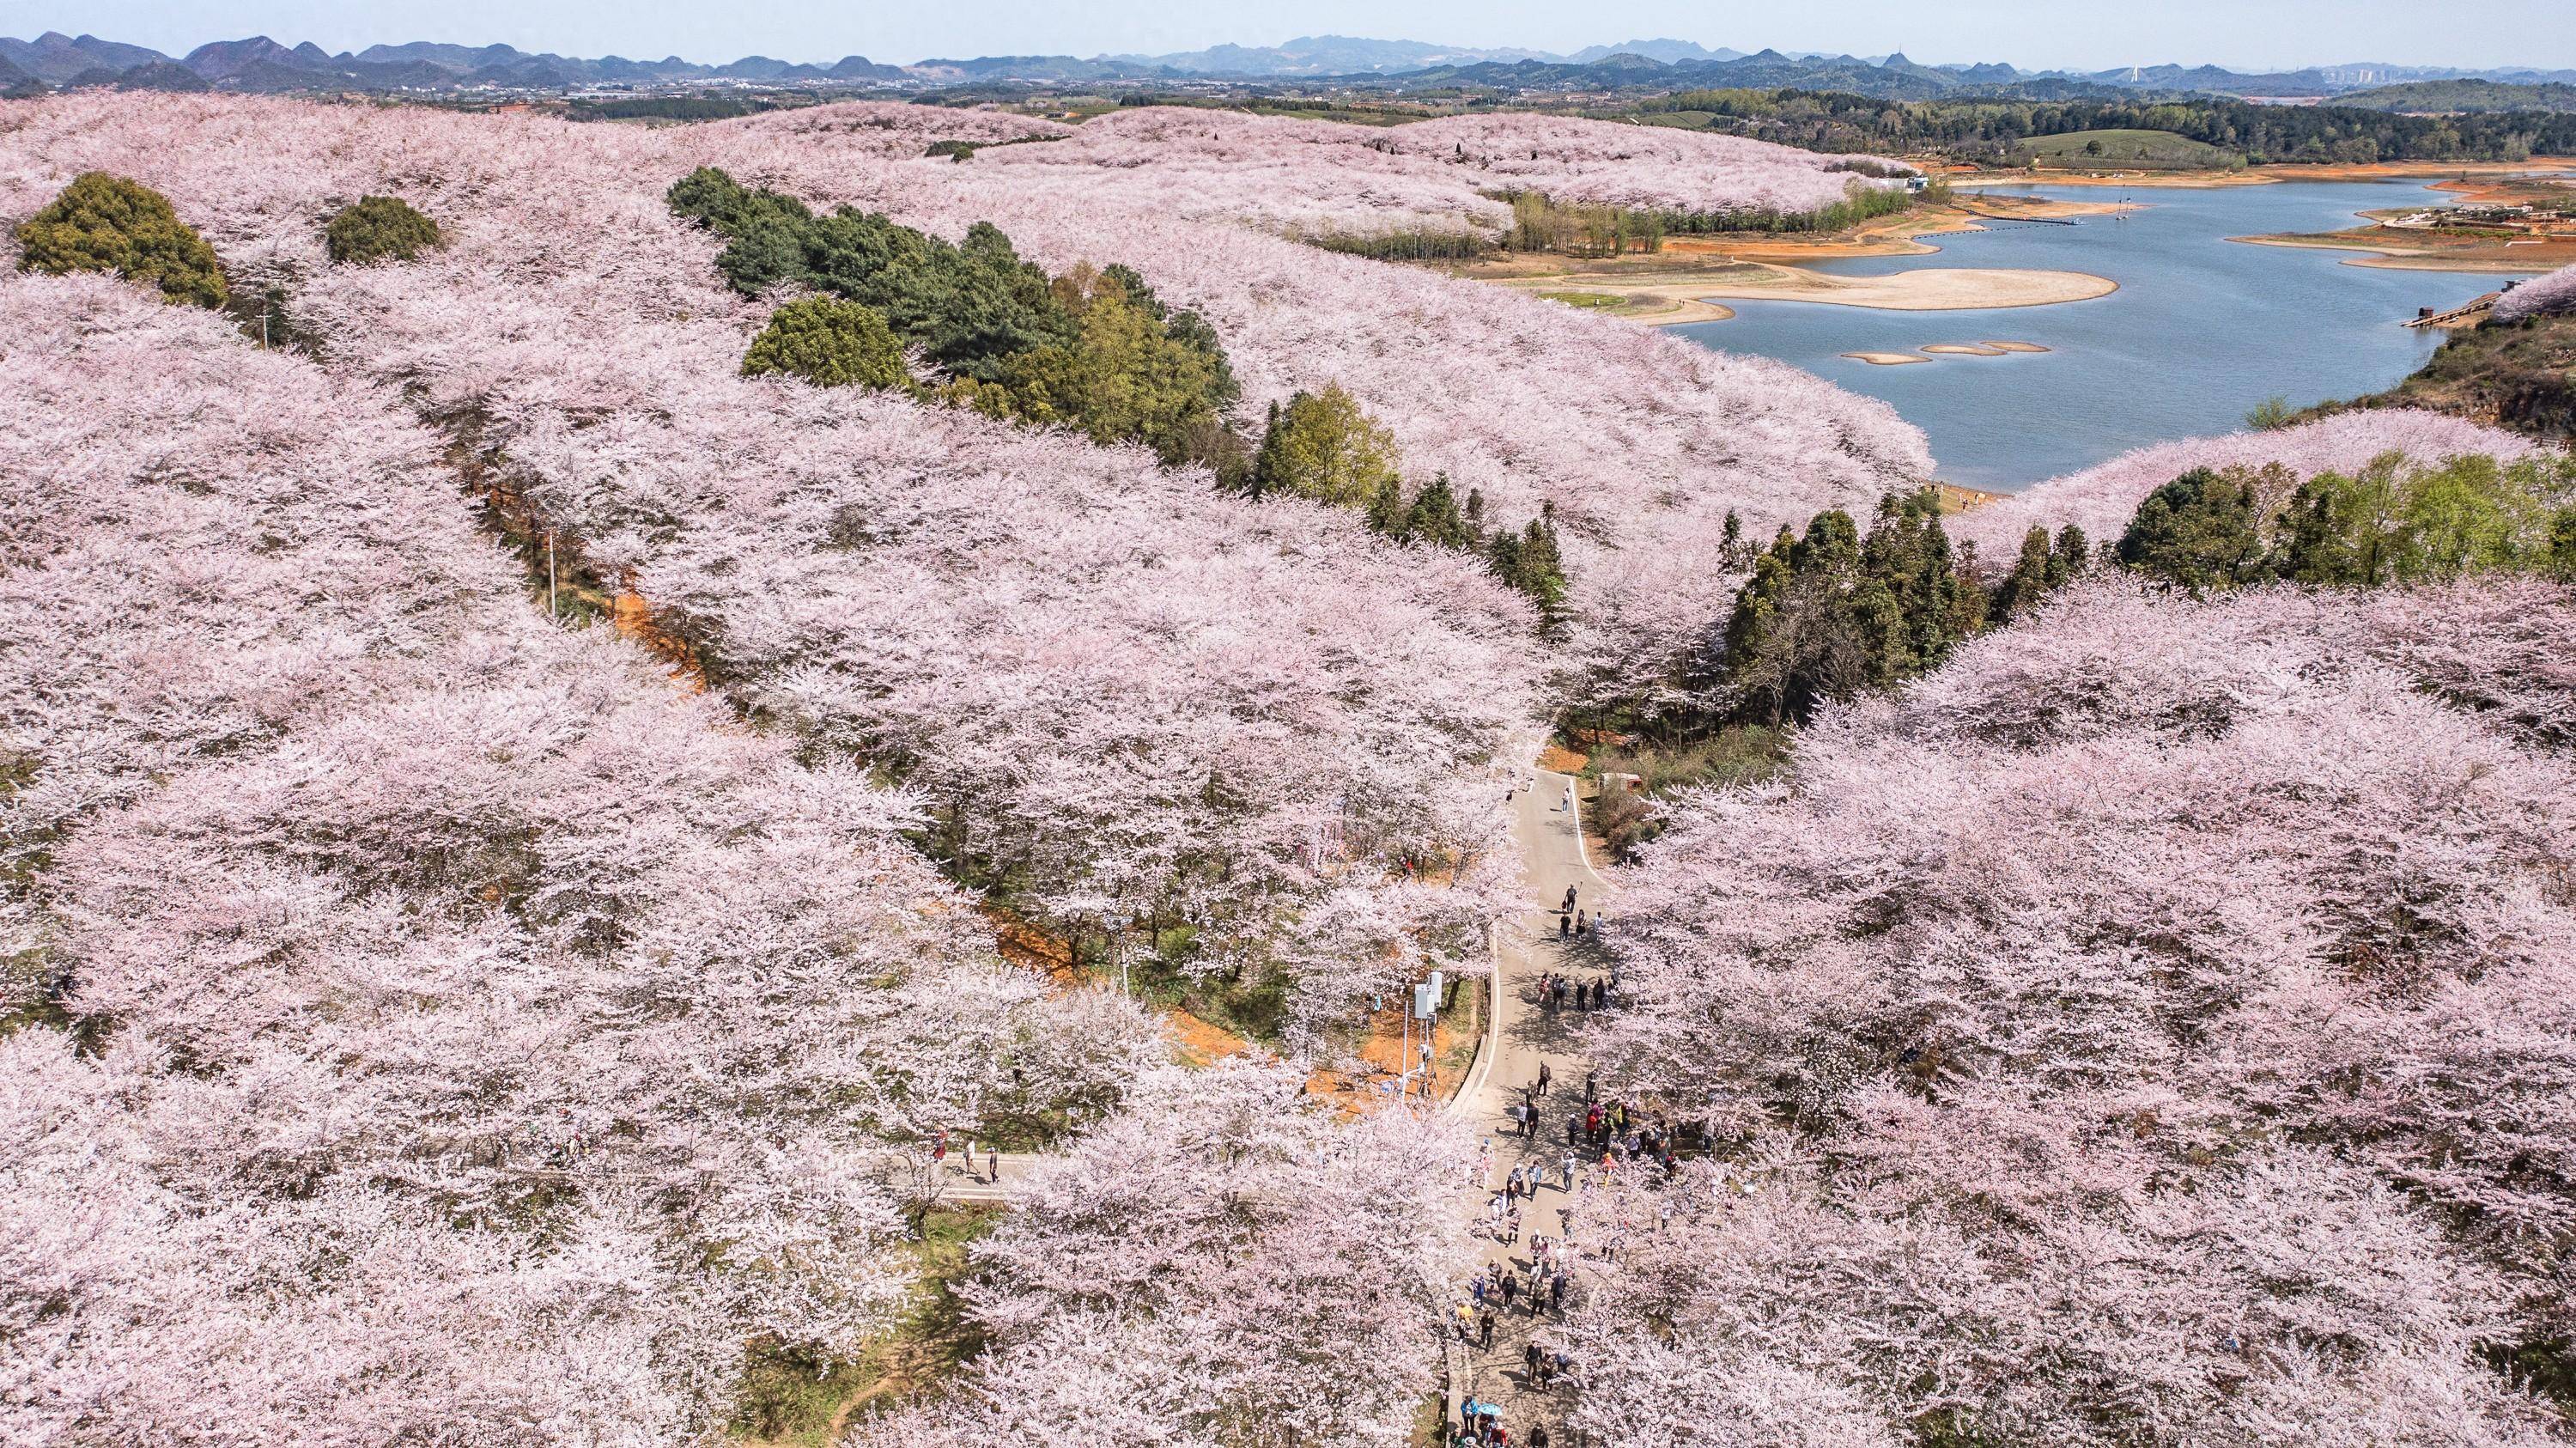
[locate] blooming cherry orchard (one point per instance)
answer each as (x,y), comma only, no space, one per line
(2544,296)
(1326,178)
(1651,168)
(430,1022)
(1642,442)
(2153,1027)
(1225,1262)
(1134,695)
(1143,699)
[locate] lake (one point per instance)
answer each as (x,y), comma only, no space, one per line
(2201,330)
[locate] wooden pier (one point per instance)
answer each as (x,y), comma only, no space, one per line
(2466,314)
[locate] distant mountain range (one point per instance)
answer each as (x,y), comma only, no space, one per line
(262,64)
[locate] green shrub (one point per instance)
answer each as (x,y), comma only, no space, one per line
(377,227)
(828,343)
(110,224)
(1322,446)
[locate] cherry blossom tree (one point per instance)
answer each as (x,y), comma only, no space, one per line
(2544,296)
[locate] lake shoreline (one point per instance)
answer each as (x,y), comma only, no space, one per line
(2276,175)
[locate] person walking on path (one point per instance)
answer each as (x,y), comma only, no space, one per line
(993,1162)
(1485,1326)
(1543,1078)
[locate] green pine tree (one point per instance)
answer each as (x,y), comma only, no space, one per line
(1435,518)
(2199,532)
(1386,512)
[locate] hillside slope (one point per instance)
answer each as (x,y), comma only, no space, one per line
(2153,1028)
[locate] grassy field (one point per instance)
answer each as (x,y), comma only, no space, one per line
(1589,301)
(2154,150)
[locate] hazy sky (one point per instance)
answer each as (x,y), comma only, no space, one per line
(2244,34)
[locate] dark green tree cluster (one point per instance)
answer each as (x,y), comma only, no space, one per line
(373,228)
(1134,371)
(1993,129)
(2390,522)
(1830,613)
(1093,350)
(1531,562)
(107,223)
(2042,569)
(2201,531)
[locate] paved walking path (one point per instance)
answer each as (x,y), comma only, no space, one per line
(1549,830)
(957,1184)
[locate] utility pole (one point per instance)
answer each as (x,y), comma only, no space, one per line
(1405,1055)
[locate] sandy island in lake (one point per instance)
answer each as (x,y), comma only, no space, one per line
(1942,289)
(2392,249)
(1668,297)
(1944,349)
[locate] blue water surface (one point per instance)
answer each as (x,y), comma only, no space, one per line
(2200,331)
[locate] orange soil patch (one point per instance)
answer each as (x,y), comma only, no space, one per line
(1560,759)
(631,614)
(1198,1042)
(1195,1041)
(1956,499)
(1382,1050)
(1024,944)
